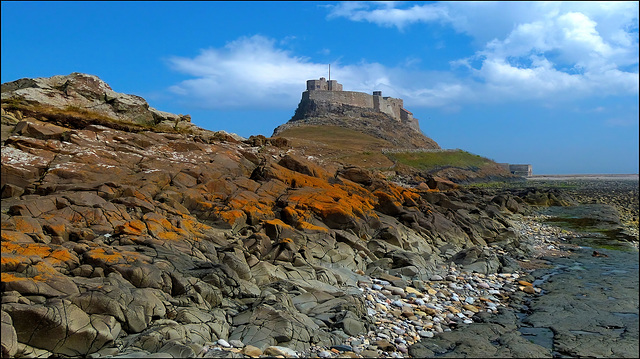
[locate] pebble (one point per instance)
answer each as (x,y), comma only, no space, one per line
(342,348)
(469,300)
(224,343)
(276,350)
(484,285)
(251,351)
(404,316)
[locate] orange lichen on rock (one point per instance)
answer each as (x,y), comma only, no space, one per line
(306,226)
(110,257)
(26,249)
(9,262)
(10,277)
(56,229)
(12,252)
(167,236)
(59,256)
(14,236)
(410,197)
(160,227)
(45,272)
(333,201)
(203,205)
(188,224)
(389,198)
(135,227)
(278,223)
(27,225)
(292,178)
(233,216)
(255,207)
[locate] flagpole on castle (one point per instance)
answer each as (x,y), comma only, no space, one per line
(329,72)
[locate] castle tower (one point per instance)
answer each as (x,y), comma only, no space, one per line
(334,85)
(323,85)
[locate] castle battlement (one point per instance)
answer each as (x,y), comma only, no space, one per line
(331,91)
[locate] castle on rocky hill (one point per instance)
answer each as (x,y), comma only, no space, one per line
(331,92)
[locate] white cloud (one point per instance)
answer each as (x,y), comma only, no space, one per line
(532,49)
(250,71)
(525,50)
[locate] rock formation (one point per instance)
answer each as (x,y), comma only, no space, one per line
(381,117)
(166,238)
(79,91)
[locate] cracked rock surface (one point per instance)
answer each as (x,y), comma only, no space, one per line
(119,238)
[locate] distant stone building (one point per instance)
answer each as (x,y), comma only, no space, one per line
(323,85)
(519,170)
(331,91)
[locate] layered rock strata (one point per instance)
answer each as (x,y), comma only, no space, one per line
(117,240)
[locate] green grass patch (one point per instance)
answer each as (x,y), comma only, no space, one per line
(430,161)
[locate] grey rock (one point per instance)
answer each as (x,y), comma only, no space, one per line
(63,327)
(9,337)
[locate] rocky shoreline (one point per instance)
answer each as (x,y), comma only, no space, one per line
(461,314)
(120,239)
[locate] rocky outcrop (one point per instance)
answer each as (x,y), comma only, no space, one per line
(116,241)
(376,124)
(89,94)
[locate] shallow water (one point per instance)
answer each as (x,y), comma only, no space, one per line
(590,303)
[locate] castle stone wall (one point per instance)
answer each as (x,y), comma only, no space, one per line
(389,105)
(352,98)
(331,92)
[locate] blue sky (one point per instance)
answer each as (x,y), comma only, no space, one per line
(550,84)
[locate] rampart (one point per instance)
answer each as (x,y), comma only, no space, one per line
(352,98)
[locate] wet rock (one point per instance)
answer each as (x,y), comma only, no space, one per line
(487,339)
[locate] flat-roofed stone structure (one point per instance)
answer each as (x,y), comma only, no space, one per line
(331,93)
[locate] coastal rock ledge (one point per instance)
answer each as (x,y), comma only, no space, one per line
(127,230)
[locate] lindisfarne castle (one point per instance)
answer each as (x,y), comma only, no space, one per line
(331,93)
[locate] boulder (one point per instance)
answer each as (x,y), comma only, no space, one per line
(62,327)
(9,337)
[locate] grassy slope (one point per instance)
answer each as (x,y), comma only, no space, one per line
(338,144)
(350,147)
(430,161)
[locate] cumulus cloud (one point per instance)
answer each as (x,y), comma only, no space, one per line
(252,72)
(534,49)
(524,50)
